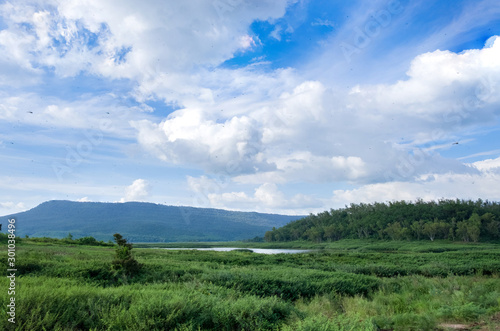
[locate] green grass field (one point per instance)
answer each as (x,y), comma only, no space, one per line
(344,285)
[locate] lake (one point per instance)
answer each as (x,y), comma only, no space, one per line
(255,250)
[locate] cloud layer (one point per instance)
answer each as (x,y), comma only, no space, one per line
(262,131)
(314,133)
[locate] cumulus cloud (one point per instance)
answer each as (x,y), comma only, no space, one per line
(245,122)
(12,205)
(9,207)
(483,184)
(384,138)
(246,42)
(230,146)
(266,198)
(309,131)
(160,46)
(138,191)
(451,89)
(204,184)
(216,192)
(256,126)
(488,165)
(105,113)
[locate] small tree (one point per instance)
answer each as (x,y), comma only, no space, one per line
(462,231)
(395,231)
(418,228)
(451,234)
(269,235)
(493,228)
(124,262)
(474,227)
(431,229)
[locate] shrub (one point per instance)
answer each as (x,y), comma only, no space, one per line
(87,241)
(62,304)
(406,322)
(290,284)
(124,262)
(337,323)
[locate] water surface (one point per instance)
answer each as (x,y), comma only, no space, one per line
(255,250)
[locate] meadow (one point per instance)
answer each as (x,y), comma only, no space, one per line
(342,285)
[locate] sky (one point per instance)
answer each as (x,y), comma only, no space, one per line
(277,106)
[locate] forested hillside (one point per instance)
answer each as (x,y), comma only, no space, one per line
(445,219)
(142,222)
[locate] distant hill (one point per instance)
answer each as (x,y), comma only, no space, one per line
(142,222)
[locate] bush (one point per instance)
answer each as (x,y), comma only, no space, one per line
(124,262)
(291,284)
(406,322)
(467,312)
(338,323)
(87,241)
(61,304)
(4,238)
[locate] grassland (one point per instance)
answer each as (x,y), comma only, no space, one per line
(343,285)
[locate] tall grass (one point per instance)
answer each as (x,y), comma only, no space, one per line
(354,287)
(64,304)
(419,303)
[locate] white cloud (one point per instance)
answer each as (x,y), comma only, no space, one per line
(266,198)
(488,165)
(9,207)
(191,138)
(254,125)
(321,22)
(138,191)
(309,131)
(166,40)
(450,185)
(40,189)
(12,205)
(246,42)
(232,200)
(269,195)
(276,33)
(106,113)
(245,121)
(84,199)
(490,42)
(203,186)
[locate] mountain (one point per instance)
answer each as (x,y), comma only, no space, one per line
(142,222)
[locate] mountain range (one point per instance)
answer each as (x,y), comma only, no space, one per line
(142,222)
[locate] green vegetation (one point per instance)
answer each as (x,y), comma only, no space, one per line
(88,241)
(342,285)
(124,263)
(469,221)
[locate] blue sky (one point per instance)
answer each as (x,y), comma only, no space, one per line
(273,106)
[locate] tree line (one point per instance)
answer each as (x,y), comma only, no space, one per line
(464,220)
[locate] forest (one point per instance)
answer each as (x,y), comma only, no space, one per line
(462,220)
